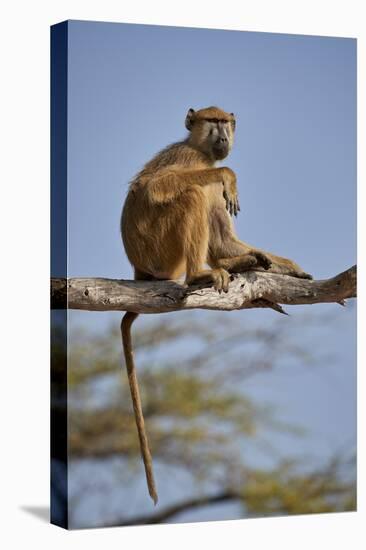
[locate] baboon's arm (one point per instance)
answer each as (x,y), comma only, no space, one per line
(168,186)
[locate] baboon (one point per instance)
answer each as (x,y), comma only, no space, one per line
(177,217)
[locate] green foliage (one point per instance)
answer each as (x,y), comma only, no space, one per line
(284,491)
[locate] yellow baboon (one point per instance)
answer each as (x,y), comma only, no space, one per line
(177,218)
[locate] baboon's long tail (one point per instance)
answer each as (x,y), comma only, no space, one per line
(126,323)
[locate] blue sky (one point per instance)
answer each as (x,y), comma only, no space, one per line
(294,98)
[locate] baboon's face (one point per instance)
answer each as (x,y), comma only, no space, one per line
(212,131)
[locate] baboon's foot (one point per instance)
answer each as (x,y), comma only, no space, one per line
(285,266)
(219,277)
(301,275)
(292,271)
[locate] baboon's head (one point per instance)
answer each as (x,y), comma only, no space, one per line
(211,131)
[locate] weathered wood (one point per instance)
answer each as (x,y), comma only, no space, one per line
(247,290)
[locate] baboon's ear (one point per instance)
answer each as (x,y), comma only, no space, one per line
(233,121)
(190,119)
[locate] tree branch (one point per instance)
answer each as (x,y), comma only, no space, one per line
(172,511)
(246,290)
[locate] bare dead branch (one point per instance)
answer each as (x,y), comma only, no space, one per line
(171,511)
(252,289)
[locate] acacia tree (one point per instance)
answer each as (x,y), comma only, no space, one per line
(199,417)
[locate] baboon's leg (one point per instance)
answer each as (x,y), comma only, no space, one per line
(227,251)
(196,237)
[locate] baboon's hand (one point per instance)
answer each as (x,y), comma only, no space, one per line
(230,191)
(262,259)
